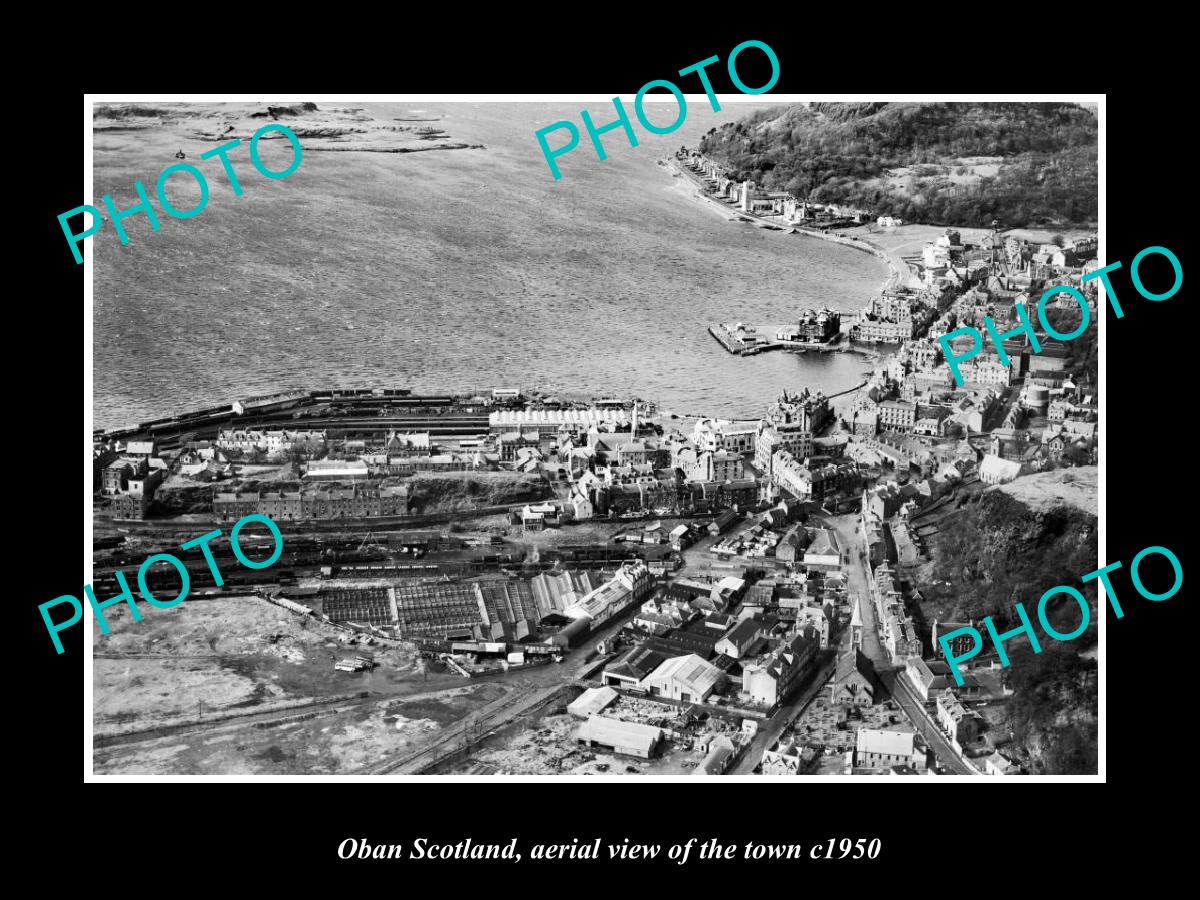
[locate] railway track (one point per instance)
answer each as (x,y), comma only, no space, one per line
(230,720)
(463,735)
(366,523)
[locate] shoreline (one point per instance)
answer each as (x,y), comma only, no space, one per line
(895,275)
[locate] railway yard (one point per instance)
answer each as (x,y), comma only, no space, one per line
(457,634)
(244,677)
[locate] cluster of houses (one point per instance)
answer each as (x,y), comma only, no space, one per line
(713,643)
(352,502)
(749,198)
(912,401)
(954,711)
(913,392)
(739,645)
(898,634)
(953,261)
(129,473)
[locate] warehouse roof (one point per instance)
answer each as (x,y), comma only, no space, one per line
(619,735)
(516,418)
(692,673)
(891,741)
(592,701)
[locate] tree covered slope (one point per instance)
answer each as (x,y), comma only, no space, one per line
(947,163)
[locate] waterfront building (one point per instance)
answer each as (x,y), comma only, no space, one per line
(880,332)
(722,434)
(814,326)
(548,422)
(269,402)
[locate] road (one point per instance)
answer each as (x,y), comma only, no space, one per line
(846,527)
(888,674)
(911,704)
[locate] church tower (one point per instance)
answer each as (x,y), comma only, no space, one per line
(856,627)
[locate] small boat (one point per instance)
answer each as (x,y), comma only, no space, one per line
(181,154)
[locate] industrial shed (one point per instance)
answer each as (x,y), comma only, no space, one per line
(591,701)
(627,738)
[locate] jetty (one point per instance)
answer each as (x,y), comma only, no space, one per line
(747,340)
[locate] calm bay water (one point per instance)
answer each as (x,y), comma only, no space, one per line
(454,270)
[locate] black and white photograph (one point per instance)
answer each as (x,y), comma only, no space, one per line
(672,436)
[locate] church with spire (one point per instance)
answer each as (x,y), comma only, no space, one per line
(854,682)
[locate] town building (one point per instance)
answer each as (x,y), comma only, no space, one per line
(630,668)
(813,327)
(824,550)
(854,683)
(770,680)
(790,424)
(960,645)
(742,637)
(997,764)
(717,435)
(994,470)
(897,415)
(885,747)
(960,725)
(930,678)
(788,757)
(717,466)
(130,506)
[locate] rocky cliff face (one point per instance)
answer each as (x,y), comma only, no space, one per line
(993,553)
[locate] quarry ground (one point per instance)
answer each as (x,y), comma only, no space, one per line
(238,685)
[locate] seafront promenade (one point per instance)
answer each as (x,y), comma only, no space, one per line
(897,268)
